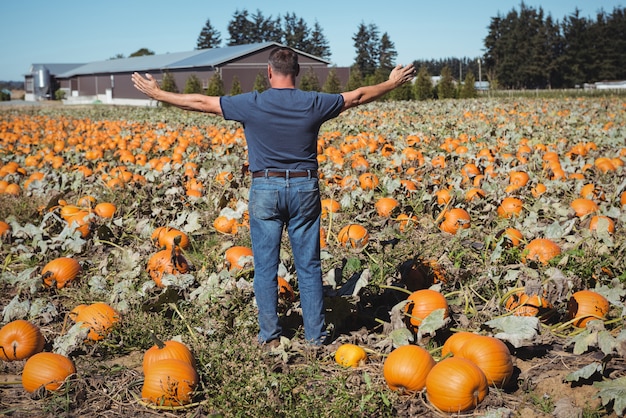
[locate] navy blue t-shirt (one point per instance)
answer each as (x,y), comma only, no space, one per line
(282,125)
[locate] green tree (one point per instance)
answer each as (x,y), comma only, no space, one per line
(445,87)
(209,37)
(387,53)
(366,43)
(318,45)
(309,81)
(193,85)
(236,87)
(260,83)
(332,83)
(468,90)
(295,32)
(216,85)
(241,29)
(141,52)
(404,92)
(355,80)
(423,86)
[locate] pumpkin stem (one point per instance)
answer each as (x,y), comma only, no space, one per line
(156,340)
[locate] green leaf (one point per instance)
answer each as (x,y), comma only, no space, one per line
(613,390)
(434,321)
(583,340)
(585,373)
(515,329)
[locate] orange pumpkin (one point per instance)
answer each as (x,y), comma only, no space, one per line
(456,385)
(353,235)
(60,272)
(406,368)
(540,249)
(225,225)
(48,370)
(5,230)
(170,349)
(492,356)
(597,219)
(169,382)
(285,290)
(586,305)
(455,219)
(453,344)
(368,181)
(99,317)
(167,261)
(105,210)
(522,304)
(583,206)
(510,206)
(422,303)
(350,355)
(386,205)
(236,256)
(20,339)
(165,236)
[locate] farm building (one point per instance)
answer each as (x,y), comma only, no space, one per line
(109,81)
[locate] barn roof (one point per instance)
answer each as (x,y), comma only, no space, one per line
(211,57)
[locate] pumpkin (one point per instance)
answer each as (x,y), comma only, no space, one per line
(350,355)
(86,201)
(583,206)
(48,370)
(455,385)
(586,305)
(455,219)
(60,272)
(353,235)
(538,190)
(512,236)
(453,343)
(5,230)
(517,180)
(597,220)
(20,339)
(225,225)
(368,181)
(165,236)
(540,249)
(105,210)
(285,290)
(422,303)
(443,196)
(237,257)
(167,261)
(81,222)
(385,206)
(492,356)
(406,368)
(99,317)
(405,221)
(330,206)
(522,304)
(169,382)
(170,349)
(510,206)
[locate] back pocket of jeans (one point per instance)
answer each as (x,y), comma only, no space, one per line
(310,205)
(263,204)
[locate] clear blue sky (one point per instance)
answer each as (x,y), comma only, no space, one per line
(81,31)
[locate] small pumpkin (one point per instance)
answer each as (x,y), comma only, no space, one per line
(510,206)
(5,230)
(422,303)
(169,382)
(492,356)
(385,206)
(105,210)
(406,368)
(170,349)
(586,305)
(456,385)
(167,261)
(455,219)
(597,220)
(330,206)
(540,249)
(285,290)
(99,317)
(350,355)
(225,225)
(20,339)
(582,206)
(60,272)
(368,181)
(522,304)
(49,370)
(238,257)
(167,237)
(353,235)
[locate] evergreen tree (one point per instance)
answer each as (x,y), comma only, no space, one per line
(387,53)
(445,87)
(260,83)
(141,53)
(241,29)
(309,81)
(332,83)
(355,80)
(266,29)
(468,90)
(168,84)
(423,86)
(318,45)
(216,85)
(404,92)
(193,85)
(236,87)
(366,42)
(295,32)
(209,37)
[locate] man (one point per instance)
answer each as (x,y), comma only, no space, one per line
(281,126)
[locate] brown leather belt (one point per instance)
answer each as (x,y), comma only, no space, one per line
(283,174)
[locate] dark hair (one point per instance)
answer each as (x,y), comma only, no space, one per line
(284,60)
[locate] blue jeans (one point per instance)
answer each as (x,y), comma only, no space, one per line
(294,203)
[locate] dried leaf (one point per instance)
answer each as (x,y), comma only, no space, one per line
(613,391)
(517,330)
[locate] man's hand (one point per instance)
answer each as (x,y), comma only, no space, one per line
(147,85)
(400,75)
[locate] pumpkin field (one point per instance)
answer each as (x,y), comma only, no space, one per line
(474,259)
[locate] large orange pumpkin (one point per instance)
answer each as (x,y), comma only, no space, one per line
(456,385)
(353,235)
(169,382)
(20,339)
(99,317)
(492,356)
(455,219)
(422,303)
(510,206)
(540,249)
(235,257)
(60,272)
(586,305)
(406,368)
(48,370)
(170,349)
